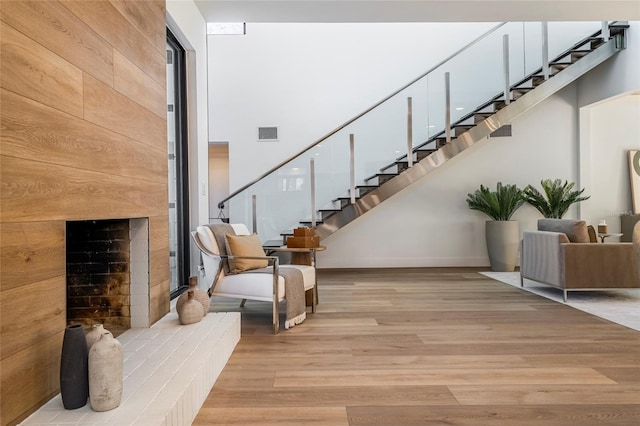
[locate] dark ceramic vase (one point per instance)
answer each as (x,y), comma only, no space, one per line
(74,368)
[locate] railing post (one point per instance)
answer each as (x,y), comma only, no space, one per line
(254,213)
(545,50)
(447,113)
(409,132)
(312,181)
(605,31)
(505,65)
(352,169)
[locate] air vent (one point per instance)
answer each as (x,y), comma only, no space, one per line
(502,131)
(267,134)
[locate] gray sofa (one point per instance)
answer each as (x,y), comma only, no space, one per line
(561,255)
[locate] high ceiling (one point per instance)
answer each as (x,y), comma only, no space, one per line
(417,10)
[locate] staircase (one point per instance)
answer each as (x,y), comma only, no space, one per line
(251,204)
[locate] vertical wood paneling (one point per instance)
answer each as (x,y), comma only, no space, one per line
(113,110)
(159,265)
(36,191)
(138,12)
(31,252)
(103,18)
(30,378)
(31,130)
(73,148)
(57,29)
(160,296)
(37,73)
(30,313)
(129,80)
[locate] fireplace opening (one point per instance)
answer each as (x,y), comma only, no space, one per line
(98,278)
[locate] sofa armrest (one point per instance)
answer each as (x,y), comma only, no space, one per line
(541,258)
(599,266)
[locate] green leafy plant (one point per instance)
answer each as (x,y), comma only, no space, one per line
(556,199)
(500,204)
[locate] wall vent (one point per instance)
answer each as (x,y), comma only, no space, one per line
(267,134)
(502,131)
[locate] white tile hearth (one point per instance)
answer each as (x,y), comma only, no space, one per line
(169,369)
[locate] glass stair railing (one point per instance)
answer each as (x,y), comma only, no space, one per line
(459,102)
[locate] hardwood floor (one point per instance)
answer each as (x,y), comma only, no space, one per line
(428,347)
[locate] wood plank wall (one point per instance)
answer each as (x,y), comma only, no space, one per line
(83,136)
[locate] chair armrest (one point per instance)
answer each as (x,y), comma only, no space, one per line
(609,265)
(269,258)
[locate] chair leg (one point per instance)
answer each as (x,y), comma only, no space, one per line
(243,302)
(521,281)
(276,317)
(313,300)
(564,295)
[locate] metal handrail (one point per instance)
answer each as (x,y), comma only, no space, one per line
(342,126)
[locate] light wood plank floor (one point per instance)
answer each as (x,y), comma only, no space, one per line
(435,346)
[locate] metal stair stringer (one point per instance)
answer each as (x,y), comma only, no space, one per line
(472,137)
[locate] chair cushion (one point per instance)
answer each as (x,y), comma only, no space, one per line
(259,285)
(245,245)
(575,230)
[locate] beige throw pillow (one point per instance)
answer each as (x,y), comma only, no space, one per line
(576,230)
(245,245)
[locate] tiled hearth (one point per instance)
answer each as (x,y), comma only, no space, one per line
(169,370)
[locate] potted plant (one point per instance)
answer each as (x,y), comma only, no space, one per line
(502,233)
(557,197)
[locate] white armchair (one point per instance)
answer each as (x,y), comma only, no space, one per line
(266,287)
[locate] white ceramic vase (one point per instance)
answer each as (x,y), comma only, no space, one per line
(94,334)
(105,373)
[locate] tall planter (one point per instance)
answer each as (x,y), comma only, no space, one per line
(503,237)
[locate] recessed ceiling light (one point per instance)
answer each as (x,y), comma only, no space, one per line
(459,108)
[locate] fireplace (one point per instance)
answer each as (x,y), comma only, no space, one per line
(108,273)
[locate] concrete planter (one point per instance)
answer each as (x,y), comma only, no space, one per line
(503,237)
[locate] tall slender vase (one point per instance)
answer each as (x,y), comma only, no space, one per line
(105,373)
(74,377)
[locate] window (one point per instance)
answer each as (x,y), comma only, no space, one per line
(178,166)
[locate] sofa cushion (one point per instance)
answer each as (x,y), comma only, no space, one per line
(575,230)
(245,245)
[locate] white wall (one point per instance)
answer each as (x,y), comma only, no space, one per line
(620,74)
(608,131)
(428,224)
(307,79)
(609,127)
(189,27)
(218,177)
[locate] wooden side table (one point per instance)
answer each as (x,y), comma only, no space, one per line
(300,256)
